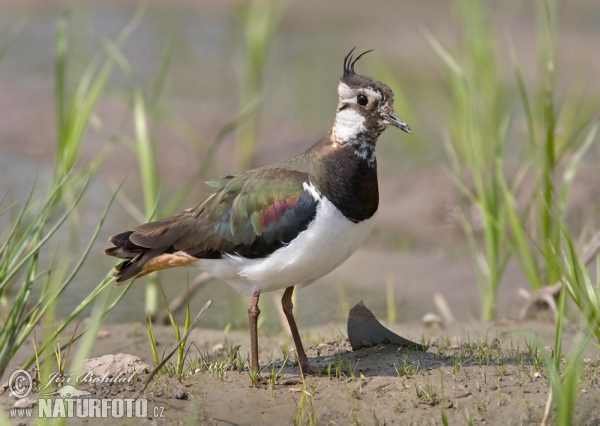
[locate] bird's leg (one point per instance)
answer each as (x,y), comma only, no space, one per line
(288,306)
(253,313)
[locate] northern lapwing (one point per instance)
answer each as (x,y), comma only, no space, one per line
(283,225)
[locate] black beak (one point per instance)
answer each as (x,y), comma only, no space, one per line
(397,122)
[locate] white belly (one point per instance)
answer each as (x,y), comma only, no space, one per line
(328,241)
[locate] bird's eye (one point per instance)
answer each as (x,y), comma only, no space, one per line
(362,100)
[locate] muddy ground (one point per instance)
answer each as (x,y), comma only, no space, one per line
(484,373)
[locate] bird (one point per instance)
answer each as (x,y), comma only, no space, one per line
(283,225)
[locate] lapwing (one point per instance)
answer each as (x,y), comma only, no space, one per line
(283,225)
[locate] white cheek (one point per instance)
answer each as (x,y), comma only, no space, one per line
(348,124)
(345,92)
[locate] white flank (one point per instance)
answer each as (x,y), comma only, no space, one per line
(348,124)
(328,241)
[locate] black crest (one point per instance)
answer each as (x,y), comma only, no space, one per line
(349,61)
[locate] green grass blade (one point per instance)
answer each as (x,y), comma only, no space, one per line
(569,173)
(45,239)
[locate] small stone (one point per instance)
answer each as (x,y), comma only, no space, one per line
(320,347)
(113,365)
(364,330)
(181,394)
(432,320)
(449,404)
(103,334)
(537,375)
(218,349)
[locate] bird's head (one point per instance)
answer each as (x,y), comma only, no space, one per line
(365,106)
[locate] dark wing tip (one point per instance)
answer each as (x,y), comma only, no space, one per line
(349,61)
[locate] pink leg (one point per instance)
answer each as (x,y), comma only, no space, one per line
(253,313)
(288,306)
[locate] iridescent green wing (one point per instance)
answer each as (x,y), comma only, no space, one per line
(251,214)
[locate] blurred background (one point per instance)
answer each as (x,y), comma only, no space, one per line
(214,88)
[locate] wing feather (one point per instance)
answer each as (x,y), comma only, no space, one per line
(252,215)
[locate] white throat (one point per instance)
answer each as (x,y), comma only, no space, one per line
(348,124)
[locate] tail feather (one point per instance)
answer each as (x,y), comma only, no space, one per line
(136,257)
(122,240)
(122,252)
